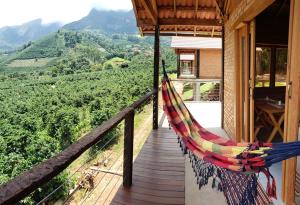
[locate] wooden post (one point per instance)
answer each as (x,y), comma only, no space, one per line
(222,80)
(178,65)
(198,63)
(156,78)
(292,102)
(128,149)
(272,67)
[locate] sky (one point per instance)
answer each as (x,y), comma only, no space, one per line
(16,12)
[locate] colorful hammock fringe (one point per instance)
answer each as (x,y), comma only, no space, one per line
(232,166)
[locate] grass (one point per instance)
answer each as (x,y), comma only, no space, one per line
(116,61)
(38,62)
(188,90)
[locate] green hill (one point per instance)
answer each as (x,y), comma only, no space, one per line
(12,37)
(67,45)
(107,22)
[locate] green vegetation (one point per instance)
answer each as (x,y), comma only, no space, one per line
(188,91)
(42,115)
(204,89)
(37,62)
(54,90)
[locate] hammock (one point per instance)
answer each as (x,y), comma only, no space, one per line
(233,167)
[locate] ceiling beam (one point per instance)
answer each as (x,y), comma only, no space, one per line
(208,34)
(212,32)
(180,22)
(186,8)
(218,9)
(189,22)
(150,10)
(154,4)
(196,8)
(174,8)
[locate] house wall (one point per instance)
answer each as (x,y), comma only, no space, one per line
(210,63)
(244,11)
(229,82)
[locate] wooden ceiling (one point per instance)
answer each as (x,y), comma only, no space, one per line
(178,17)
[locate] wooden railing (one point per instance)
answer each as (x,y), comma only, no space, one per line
(21,186)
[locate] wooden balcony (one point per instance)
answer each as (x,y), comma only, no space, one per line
(158,173)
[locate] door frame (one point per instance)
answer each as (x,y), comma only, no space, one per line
(292,101)
(243,83)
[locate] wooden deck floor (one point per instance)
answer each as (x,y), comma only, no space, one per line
(158,173)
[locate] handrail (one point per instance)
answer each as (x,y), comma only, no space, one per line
(195,80)
(22,185)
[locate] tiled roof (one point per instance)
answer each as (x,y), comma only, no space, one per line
(178,18)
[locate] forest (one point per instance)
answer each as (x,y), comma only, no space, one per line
(47,108)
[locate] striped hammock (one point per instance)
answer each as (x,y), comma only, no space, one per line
(233,167)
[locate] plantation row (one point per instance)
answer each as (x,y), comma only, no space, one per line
(42,115)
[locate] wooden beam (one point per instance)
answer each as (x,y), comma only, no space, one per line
(219,10)
(183,33)
(128,149)
(174,8)
(196,8)
(154,4)
(156,78)
(187,22)
(178,65)
(222,81)
(182,22)
(254,8)
(186,8)
(197,63)
(292,102)
(212,32)
(149,8)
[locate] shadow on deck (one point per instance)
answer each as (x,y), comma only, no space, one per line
(158,173)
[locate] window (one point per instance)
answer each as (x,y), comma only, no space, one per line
(263,64)
(281,67)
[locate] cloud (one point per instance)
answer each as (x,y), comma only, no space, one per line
(14,12)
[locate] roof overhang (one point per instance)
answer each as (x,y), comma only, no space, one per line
(178,42)
(178,17)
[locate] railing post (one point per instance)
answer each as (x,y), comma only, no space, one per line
(198,63)
(156,78)
(128,149)
(178,65)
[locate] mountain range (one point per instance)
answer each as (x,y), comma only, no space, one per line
(108,22)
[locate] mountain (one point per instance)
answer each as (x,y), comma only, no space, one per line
(107,22)
(12,37)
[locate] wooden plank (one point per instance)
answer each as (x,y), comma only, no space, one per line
(151,12)
(153,199)
(292,101)
(252,78)
(222,80)
(158,172)
(182,22)
(186,8)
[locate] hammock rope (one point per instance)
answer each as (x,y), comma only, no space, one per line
(232,166)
